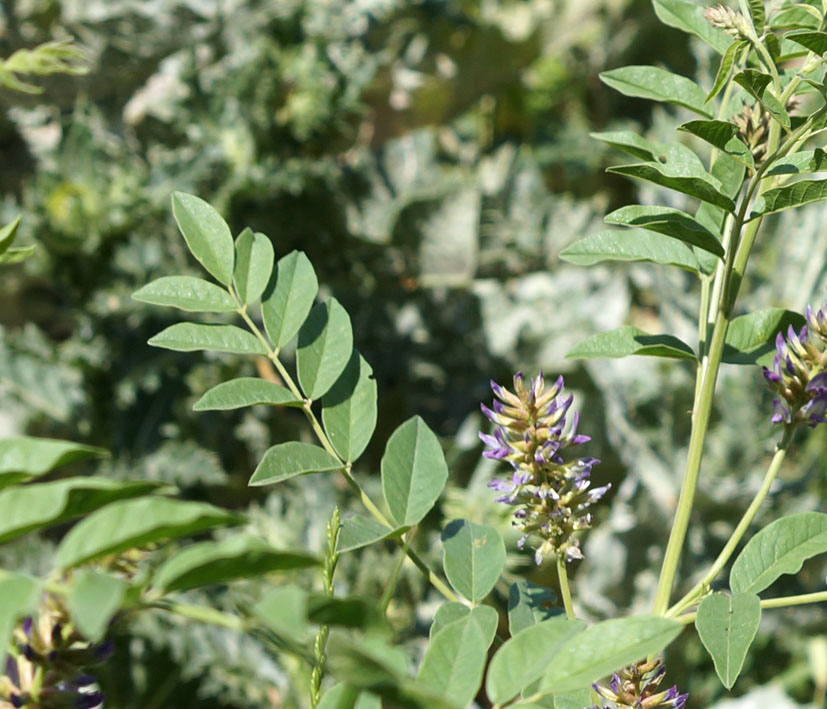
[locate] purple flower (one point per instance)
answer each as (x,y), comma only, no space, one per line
(551,494)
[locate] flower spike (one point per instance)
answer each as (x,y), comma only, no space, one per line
(552,496)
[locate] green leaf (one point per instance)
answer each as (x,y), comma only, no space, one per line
(529,604)
(796,16)
(474,557)
(750,338)
(18,597)
(691,181)
(814,41)
(793,195)
(93,600)
(605,648)
(283,610)
(757,14)
(657,85)
(207,235)
(729,171)
(780,548)
(357,532)
(371,663)
(670,154)
(524,657)
(16,254)
(134,523)
(325,347)
(26,457)
(572,700)
(722,135)
(799,163)
(245,391)
(628,340)
(253,265)
(455,659)
(349,409)
(288,460)
(186,293)
(8,234)
(756,84)
(26,508)
(189,337)
(631,143)
(288,298)
(725,67)
(413,471)
(447,613)
(670,222)
(238,557)
(727,627)
(631,245)
(689,17)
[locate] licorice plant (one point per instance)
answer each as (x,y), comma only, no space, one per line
(756,137)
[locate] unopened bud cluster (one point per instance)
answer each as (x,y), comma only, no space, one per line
(797,373)
(552,495)
(47,666)
(754,127)
(728,20)
(638,687)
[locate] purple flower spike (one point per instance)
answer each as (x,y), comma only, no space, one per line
(550,492)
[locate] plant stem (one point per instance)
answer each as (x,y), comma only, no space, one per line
(345,471)
(800,600)
(783,602)
(737,256)
(563,577)
(739,531)
(387,594)
(202,614)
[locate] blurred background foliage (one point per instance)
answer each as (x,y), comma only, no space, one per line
(432,158)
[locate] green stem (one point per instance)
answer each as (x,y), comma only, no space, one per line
(724,556)
(563,577)
(737,256)
(345,471)
(390,587)
(783,602)
(800,600)
(202,614)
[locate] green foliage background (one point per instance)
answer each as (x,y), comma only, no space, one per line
(432,158)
